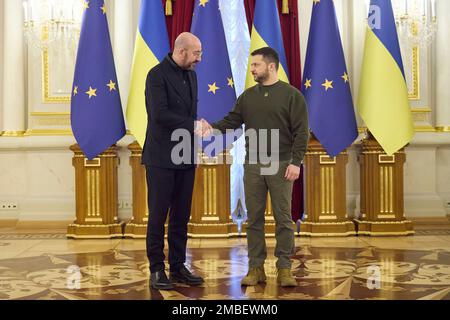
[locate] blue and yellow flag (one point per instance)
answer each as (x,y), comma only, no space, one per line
(326,83)
(216,94)
(152,45)
(383,95)
(96,111)
(266,32)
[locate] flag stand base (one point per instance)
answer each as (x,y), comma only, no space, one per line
(135,230)
(95,231)
(96,192)
(382,203)
(327,229)
(385,228)
(326,202)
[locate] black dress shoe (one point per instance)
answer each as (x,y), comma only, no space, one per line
(159,281)
(183,275)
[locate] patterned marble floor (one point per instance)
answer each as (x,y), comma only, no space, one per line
(48,266)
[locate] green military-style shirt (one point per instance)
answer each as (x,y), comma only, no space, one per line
(278,106)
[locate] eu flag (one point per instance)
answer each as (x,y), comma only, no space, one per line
(96,111)
(326,82)
(216,92)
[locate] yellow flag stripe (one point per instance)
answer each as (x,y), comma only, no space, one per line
(258,42)
(383,97)
(143,61)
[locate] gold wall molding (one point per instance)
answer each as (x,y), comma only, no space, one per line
(13,134)
(425,129)
(52,122)
(49,123)
(48,132)
(415,71)
(429,128)
(49,114)
(421,117)
(421,110)
(46,95)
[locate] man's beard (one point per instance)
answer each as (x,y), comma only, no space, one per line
(187,65)
(263,77)
(191,66)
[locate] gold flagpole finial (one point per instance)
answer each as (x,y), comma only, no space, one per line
(169,10)
(285,7)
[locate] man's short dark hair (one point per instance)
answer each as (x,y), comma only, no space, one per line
(269,55)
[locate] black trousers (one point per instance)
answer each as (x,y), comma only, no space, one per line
(169,192)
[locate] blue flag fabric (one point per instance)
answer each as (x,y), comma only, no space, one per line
(326,83)
(216,91)
(96,111)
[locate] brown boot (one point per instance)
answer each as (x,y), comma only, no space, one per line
(254,276)
(285,278)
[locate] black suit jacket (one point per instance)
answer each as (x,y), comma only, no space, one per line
(170,106)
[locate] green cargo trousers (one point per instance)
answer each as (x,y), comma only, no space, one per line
(256,187)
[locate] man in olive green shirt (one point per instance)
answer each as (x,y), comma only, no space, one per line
(276,111)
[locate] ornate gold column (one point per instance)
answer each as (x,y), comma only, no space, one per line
(382,210)
(96,192)
(137,227)
(211,215)
(326,197)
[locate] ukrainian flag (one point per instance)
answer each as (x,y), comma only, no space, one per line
(152,45)
(266,32)
(383,95)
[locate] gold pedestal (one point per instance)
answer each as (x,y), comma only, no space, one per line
(96,191)
(210,211)
(210,214)
(326,203)
(137,227)
(382,209)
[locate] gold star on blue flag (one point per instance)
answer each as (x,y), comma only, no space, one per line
(215,93)
(96,116)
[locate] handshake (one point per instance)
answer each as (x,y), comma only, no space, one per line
(202,128)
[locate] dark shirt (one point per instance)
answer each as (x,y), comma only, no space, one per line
(184,75)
